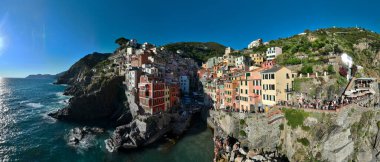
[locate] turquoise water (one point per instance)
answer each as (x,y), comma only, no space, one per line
(28,134)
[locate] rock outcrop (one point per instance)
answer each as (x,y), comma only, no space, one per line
(104,102)
(145,130)
(349,135)
(79,75)
(77,135)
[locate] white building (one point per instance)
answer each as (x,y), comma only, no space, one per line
(212,61)
(255,43)
(227,51)
(130,50)
(149,69)
(273,52)
(184,83)
(239,60)
(132,78)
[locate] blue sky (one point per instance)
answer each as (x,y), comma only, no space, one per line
(48,36)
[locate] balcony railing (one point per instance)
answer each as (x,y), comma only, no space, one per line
(289,90)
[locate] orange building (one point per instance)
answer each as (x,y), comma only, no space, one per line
(230,94)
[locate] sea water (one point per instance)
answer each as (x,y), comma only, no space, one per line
(27,133)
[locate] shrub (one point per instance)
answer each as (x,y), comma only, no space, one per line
(307,69)
(330,69)
(303,141)
(242,133)
(343,71)
(294,117)
(305,128)
(242,121)
(281,126)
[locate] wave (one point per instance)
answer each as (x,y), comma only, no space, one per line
(60,95)
(49,119)
(34,105)
(25,101)
(64,102)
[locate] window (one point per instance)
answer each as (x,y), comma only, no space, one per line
(246,91)
(272,76)
(246,82)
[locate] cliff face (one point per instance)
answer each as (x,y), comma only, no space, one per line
(97,99)
(351,134)
(104,102)
(79,75)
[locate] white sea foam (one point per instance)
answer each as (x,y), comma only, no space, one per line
(63,102)
(48,118)
(60,95)
(25,101)
(34,105)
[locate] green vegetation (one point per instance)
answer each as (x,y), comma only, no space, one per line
(281,126)
(330,69)
(361,129)
(303,141)
(199,51)
(341,81)
(295,117)
(314,47)
(306,69)
(242,122)
(305,128)
(121,41)
(242,133)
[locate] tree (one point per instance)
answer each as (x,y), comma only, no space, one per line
(121,41)
(307,69)
(330,69)
(354,69)
(343,71)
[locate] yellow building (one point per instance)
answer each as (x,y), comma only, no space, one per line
(277,85)
(257,59)
(244,83)
(167,98)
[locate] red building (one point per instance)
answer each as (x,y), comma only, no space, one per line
(174,95)
(151,94)
(139,59)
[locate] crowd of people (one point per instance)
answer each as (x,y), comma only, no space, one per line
(336,103)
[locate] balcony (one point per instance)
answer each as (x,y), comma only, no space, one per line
(289,90)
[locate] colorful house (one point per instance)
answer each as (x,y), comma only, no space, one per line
(277,85)
(151,94)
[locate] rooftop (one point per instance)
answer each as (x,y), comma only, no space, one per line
(272,70)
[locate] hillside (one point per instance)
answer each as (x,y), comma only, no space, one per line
(80,73)
(314,47)
(41,76)
(199,51)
